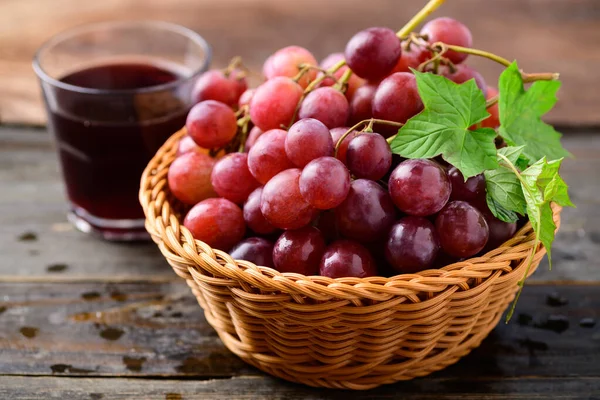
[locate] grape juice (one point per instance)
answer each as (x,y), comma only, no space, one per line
(106,137)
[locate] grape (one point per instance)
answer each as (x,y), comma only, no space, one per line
(326,224)
(500,231)
(254,249)
(361,104)
(473,190)
(493,121)
(464,73)
(373,53)
(354,82)
(336,134)
(241,84)
(325,183)
(299,251)
(397,98)
(274,103)
(326,104)
(189,177)
(367,213)
(254,217)
(462,229)
(246,97)
(412,245)
(214,85)
(255,132)
(346,259)
(449,31)
(369,156)
(282,204)
(285,62)
(411,58)
(419,187)
(217,222)
(211,124)
(187,144)
(306,140)
(267,156)
(232,179)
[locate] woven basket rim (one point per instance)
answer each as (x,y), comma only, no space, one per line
(174,238)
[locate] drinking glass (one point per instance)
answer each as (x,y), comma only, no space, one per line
(114,92)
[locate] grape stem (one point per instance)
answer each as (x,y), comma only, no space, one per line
(233,64)
(492,100)
(342,84)
(410,26)
(369,122)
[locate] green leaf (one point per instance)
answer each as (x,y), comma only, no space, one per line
(503,186)
(500,212)
(443,126)
(520,115)
(512,153)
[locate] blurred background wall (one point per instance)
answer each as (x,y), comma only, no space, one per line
(543,35)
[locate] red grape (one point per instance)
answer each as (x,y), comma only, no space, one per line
(336,134)
(274,103)
(412,245)
(449,31)
(464,73)
(285,62)
(241,84)
(472,190)
(361,104)
(299,251)
(246,97)
(325,183)
(419,187)
(254,249)
(367,213)
(255,132)
(397,98)
(462,229)
(354,82)
(500,231)
(282,204)
(326,224)
(232,179)
(267,156)
(411,58)
(369,156)
(187,144)
(306,140)
(326,104)
(346,259)
(211,124)
(373,53)
(214,85)
(217,222)
(189,177)
(254,218)
(493,121)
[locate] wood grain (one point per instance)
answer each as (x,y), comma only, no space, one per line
(263,388)
(157,330)
(544,35)
(34,234)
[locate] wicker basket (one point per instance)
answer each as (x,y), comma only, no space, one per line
(338,333)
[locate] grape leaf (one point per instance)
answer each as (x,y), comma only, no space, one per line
(520,115)
(504,193)
(443,126)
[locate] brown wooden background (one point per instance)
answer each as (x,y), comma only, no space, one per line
(544,35)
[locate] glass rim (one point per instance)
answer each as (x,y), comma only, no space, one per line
(74,31)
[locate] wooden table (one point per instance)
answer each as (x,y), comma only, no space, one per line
(86,319)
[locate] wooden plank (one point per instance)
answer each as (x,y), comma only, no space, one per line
(543,35)
(34,234)
(158,330)
(261,388)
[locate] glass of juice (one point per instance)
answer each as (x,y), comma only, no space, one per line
(114,92)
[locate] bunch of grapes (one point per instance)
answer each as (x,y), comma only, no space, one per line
(302,192)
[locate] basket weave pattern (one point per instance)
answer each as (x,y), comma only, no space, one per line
(339,333)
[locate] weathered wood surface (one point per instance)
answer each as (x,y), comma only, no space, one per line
(255,388)
(544,35)
(32,202)
(151,330)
